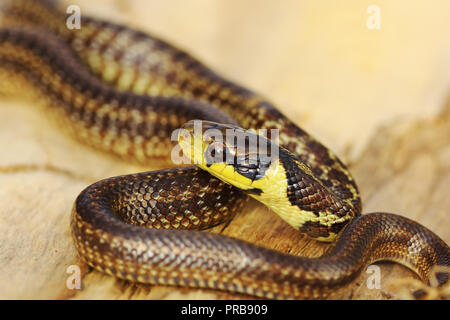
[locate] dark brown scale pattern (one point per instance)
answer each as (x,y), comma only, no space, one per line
(188,78)
(64,69)
(310,195)
(109,216)
(160,200)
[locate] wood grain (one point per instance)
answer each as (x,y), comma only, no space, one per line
(380,103)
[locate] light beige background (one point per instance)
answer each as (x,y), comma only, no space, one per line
(373,96)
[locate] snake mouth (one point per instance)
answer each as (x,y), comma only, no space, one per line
(232,154)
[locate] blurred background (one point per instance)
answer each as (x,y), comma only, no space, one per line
(369,79)
(318,61)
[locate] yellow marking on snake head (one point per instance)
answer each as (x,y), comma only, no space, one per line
(268,183)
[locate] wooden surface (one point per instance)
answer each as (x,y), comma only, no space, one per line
(376,97)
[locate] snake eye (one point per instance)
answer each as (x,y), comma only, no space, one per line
(254,167)
(214,153)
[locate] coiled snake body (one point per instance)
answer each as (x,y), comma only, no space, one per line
(124,92)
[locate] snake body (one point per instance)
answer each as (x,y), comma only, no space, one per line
(124,92)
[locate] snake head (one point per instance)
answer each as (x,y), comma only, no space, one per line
(234,155)
(262,169)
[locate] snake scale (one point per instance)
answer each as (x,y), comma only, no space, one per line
(124,92)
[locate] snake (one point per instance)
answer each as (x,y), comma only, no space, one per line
(125,92)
